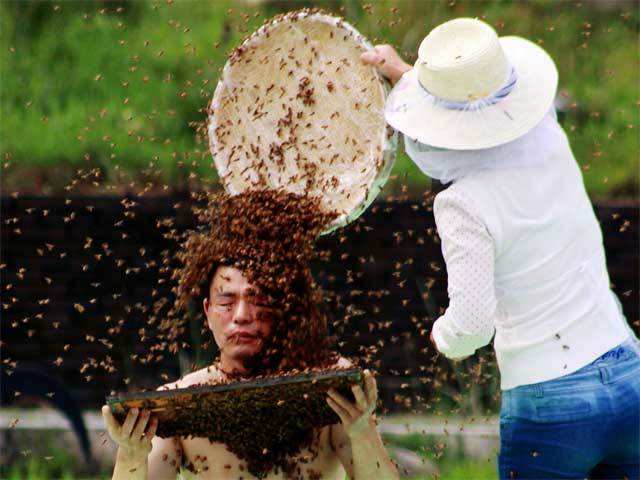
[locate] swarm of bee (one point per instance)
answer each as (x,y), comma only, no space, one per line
(296,109)
(64,279)
(269,235)
(265,420)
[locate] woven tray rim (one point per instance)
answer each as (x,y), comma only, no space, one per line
(389,136)
(114,400)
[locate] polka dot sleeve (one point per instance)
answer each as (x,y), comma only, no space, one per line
(469,254)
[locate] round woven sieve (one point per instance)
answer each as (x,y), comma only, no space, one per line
(296,109)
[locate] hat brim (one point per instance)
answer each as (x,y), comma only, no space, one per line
(411,110)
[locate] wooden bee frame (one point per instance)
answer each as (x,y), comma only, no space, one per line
(285,405)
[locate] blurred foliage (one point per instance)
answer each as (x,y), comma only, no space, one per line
(48,458)
(113,92)
(451,464)
(53,462)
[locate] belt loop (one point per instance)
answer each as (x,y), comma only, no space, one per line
(538,390)
(605,374)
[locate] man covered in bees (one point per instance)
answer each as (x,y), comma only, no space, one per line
(251,272)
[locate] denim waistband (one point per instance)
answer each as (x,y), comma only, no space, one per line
(628,347)
(615,353)
(609,367)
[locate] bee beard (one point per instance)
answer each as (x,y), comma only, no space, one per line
(266,359)
(234,340)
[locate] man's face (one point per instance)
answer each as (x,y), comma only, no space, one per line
(237,314)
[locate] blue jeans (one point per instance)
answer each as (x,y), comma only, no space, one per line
(583,425)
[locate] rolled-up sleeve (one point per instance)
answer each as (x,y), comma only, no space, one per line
(469,254)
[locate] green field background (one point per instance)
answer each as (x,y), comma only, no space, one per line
(108,96)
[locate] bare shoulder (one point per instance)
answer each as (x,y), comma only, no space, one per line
(204,375)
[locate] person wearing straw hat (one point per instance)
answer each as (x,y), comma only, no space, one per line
(523,250)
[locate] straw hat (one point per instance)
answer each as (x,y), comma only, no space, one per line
(471,90)
(295,108)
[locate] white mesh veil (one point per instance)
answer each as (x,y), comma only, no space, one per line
(531,149)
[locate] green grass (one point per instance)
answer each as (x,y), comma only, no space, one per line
(451,464)
(468,470)
(56,464)
(61,465)
(37,469)
(44,458)
(87,87)
(45,455)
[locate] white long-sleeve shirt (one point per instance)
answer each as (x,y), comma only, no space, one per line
(525,260)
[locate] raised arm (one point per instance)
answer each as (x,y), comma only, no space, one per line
(387,61)
(356,439)
(141,455)
(469,254)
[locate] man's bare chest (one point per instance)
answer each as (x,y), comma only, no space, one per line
(203,459)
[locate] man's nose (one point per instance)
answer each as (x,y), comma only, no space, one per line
(242,313)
